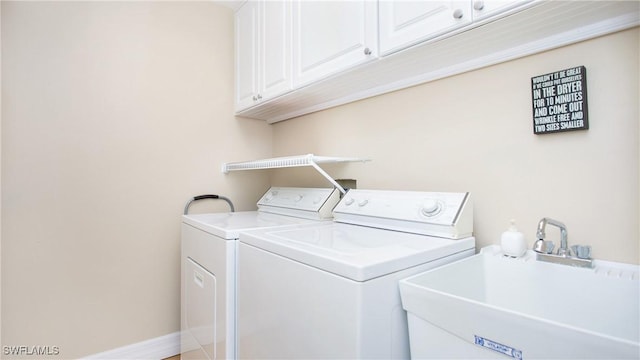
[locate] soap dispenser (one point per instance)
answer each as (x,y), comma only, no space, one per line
(512,241)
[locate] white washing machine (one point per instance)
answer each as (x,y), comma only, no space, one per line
(330,291)
(209,249)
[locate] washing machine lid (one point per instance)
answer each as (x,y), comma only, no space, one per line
(352,251)
(229,225)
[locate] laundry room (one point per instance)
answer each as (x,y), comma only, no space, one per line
(115,114)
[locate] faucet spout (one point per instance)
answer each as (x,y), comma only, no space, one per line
(540,234)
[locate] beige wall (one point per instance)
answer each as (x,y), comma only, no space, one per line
(115,113)
(473,133)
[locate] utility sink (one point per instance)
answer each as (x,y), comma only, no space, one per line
(493,306)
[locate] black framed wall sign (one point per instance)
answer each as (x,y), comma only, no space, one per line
(560,101)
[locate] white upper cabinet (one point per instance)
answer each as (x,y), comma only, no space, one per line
(405,23)
(246,28)
(331,36)
(294,57)
(263,51)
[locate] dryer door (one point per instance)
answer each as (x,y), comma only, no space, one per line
(200,287)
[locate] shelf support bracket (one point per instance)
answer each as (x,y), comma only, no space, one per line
(327,176)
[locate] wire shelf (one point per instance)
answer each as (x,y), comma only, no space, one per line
(292,161)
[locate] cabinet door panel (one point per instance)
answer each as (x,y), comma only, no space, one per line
(486,8)
(246,27)
(276,48)
(404,23)
(331,36)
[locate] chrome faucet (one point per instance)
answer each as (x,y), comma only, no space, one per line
(540,235)
(564,256)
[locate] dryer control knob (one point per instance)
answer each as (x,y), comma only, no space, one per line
(349,201)
(363,202)
(430,208)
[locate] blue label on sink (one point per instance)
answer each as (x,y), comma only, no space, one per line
(495,346)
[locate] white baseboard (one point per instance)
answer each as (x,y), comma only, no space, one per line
(153,349)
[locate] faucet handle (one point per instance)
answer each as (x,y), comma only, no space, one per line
(581,251)
(549,245)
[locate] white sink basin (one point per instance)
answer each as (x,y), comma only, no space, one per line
(492,306)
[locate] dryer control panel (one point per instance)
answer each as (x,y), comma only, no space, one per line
(311,203)
(443,214)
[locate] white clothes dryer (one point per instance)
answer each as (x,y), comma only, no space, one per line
(209,250)
(330,290)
